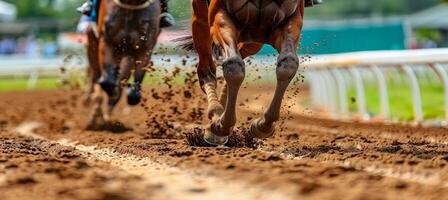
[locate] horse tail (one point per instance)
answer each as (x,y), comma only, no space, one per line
(186,43)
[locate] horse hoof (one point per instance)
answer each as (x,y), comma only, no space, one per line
(256,130)
(97,121)
(213,139)
(108,85)
(134,96)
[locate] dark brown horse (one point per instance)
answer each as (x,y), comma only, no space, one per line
(122,47)
(239,28)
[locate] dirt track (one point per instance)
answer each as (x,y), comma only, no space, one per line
(45,153)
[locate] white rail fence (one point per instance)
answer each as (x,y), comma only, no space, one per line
(63,67)
(34,68)
(330,79)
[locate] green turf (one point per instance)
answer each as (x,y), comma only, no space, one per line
(401,102)
(20,84)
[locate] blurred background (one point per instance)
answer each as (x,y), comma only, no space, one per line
(38,39)
(46,27)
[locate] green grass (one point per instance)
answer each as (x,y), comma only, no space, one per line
(400,101)
(52,83)
(20,84)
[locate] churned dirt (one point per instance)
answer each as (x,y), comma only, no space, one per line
(46,152)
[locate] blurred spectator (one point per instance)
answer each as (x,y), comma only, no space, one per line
(50,49)
(429,44)
(8,46)
(29,47)
(32,48)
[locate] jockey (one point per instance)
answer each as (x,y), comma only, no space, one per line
(91,7)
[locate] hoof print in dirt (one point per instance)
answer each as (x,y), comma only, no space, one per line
(114,127)
(239,139)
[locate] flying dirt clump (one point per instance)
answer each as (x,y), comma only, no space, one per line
(172,105)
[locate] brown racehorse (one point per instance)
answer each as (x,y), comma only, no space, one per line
(239,28)
(122,45)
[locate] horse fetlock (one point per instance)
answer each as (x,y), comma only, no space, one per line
(206,76)
(261,129)
(108,82)
(287,67)
(214,109)
(234,71)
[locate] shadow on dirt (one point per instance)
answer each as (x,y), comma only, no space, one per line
(113,127)
(239,139)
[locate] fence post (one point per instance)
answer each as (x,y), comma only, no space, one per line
(323,91)
(416,96)
(360,94)
(342,90)
(440,71)
(331,93)
(32,80)
(384,96)
(315,95)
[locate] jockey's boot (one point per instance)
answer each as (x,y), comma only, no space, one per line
(166,19)
(86,8)
(311,3)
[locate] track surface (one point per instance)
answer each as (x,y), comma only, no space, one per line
(45,153)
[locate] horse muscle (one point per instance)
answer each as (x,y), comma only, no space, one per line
(257,12)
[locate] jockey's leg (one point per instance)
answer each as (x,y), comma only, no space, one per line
(311,3)
(166,19)
(86,8)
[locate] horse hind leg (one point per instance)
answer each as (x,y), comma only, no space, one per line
(287,66)
(206,68)
(93,70)
(226,35)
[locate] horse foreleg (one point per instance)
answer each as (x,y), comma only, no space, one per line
(134,90)
(97,120)
(93,70)
(206,68)
(226,35)
(285,41)
(124,72)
